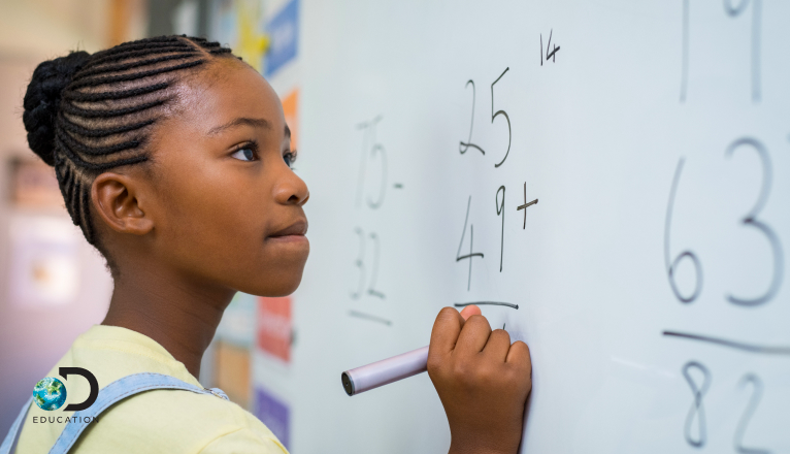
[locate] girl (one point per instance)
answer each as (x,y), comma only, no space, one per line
(173,158)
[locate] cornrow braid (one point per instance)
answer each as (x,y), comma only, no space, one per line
(138,53)
(130,65)
(86,114)
(103,96)
(132,76)
(77,129)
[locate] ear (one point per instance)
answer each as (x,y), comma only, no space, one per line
(116,200)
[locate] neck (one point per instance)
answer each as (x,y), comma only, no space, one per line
(179,313)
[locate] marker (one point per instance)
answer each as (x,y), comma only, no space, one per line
(384,372)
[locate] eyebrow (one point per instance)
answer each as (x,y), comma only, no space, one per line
(287,131)
(241,121)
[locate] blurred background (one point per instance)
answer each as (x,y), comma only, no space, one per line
(55,286)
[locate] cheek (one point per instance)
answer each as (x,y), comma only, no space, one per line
(216,211)
(214,224)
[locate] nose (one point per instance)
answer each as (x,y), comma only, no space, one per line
(291,190)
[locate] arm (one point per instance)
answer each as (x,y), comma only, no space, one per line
(482,380)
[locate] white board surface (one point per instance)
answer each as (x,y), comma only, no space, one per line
(656,139)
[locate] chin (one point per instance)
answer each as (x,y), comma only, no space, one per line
(282,284)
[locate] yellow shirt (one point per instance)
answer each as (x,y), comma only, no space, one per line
(157,421)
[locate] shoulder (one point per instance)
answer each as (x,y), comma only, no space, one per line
(244,440)
(177,421)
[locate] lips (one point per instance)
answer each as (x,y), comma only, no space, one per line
(297,228)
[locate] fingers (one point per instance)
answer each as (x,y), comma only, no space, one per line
(518,355)
(498,345)
(474,335)
(470,332)
(469,311)
(445,330)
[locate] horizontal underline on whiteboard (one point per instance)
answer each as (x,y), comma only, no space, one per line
(753,348)
(487,303)
(369,317)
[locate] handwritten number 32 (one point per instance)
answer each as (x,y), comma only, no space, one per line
(360,263)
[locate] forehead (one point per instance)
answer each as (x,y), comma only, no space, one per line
(226,90)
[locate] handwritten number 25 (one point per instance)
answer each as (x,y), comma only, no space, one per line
(464,146)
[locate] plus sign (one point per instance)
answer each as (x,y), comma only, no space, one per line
(525,205)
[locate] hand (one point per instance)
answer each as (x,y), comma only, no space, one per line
(482,380)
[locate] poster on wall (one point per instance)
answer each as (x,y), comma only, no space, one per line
(274,327)
(239,24)
(238,321)
(283,30)
(291,112)
(274,413)
(34,185)
(44,265)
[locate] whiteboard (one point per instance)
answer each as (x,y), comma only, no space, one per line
(651,276)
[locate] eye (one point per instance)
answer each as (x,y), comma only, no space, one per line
(289,157)
(247,152)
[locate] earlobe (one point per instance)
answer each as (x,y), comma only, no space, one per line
(116,201)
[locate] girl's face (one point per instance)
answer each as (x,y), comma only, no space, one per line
(227,207)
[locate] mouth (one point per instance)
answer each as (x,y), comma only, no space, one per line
(294,232)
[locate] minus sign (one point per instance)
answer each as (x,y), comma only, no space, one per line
(488,303)
(369,317)
(398,185)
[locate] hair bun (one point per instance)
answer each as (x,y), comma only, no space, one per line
(43,99)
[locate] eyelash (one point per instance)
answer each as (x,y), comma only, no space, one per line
(253,146)
(291,155)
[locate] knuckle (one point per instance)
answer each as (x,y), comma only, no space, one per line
(461,370)
(487,374)
(477,322)
(524,346)
(517,379)
(500,333)
(523,351)
(473,374)
(435,363)
(447,313)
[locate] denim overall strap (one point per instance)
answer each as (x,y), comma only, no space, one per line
(108,396)
(10,440)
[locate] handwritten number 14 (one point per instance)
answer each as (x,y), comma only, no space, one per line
(551,52)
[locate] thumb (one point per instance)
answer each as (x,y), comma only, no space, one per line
(469,311)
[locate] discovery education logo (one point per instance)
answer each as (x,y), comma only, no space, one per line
(50,394)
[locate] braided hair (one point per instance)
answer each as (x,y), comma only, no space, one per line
(85,114)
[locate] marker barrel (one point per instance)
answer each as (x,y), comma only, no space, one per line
(386,371)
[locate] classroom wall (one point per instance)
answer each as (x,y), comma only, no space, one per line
(36,331)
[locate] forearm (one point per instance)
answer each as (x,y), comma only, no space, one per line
(467,449)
